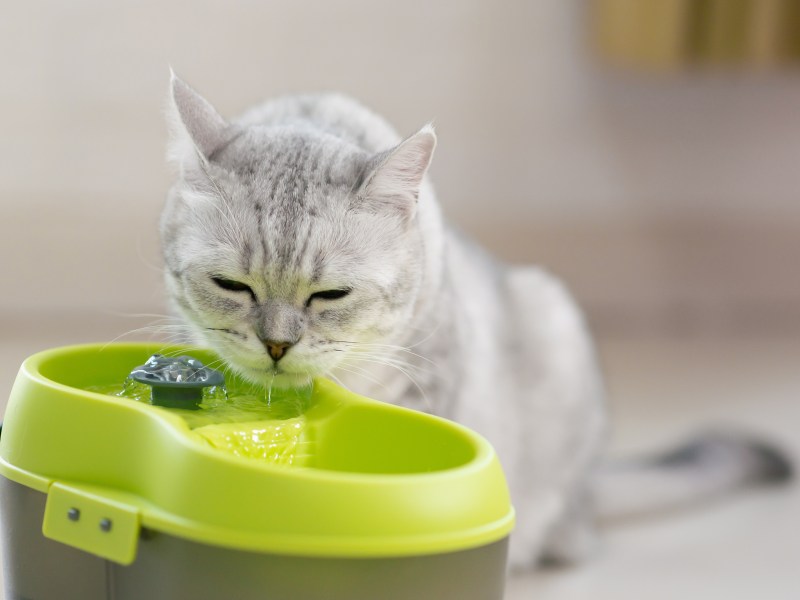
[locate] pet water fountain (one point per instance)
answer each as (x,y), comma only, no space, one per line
(128,476)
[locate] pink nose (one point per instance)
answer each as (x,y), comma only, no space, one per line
(276,349)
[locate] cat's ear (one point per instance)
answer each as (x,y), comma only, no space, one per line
(196,128)
(396,178)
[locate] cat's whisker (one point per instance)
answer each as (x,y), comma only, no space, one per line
(337,380)
(170,350)
(176,335)
(398,366)
(377,359)
(158,327)
(227,372)
(154,329)
(159,316)
(388,347)
(409,370)
(144,260)
(365,370)
(425,399)
(395,361)
(360,372)
(216,364)
(431,333)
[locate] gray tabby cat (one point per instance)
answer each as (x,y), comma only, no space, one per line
(304,239)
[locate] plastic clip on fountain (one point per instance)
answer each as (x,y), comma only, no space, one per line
(165,488)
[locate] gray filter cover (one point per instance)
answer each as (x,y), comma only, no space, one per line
(176,382)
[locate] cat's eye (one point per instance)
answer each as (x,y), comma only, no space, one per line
(328,295)
(232,285)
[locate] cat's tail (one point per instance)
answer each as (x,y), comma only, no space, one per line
(703,468)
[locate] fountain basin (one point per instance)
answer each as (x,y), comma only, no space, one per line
(407,504)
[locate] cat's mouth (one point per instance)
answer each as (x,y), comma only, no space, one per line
(264,371)
(273,375)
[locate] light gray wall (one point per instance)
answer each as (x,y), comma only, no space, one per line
(662,199)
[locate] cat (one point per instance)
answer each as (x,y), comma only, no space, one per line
(304,239)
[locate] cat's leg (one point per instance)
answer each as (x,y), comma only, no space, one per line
(534,522)
(574,536)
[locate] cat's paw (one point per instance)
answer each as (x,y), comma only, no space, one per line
(570,545)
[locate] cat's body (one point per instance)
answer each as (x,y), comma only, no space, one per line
(304,239)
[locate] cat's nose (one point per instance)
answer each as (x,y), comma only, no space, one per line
(276,349)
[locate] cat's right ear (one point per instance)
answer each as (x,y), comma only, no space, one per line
(196,128)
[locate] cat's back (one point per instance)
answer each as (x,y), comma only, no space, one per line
(325,113)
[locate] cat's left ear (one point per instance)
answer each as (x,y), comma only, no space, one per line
(196,128)
(395,181)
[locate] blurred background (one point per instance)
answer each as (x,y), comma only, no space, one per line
(644,150)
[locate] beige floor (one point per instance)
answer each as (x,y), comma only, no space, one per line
(745,548)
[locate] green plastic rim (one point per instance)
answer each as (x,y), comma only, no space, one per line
(380,480)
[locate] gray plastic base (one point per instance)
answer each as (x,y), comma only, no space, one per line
(169,568)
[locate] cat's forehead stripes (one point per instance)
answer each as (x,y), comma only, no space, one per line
(287,176)
(301,247)
(298,187)
(259,211)
(318,267)
(281,163)
(246,256)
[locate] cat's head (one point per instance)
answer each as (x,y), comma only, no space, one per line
(288,249)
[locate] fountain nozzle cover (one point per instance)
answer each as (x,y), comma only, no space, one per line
(176,382)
